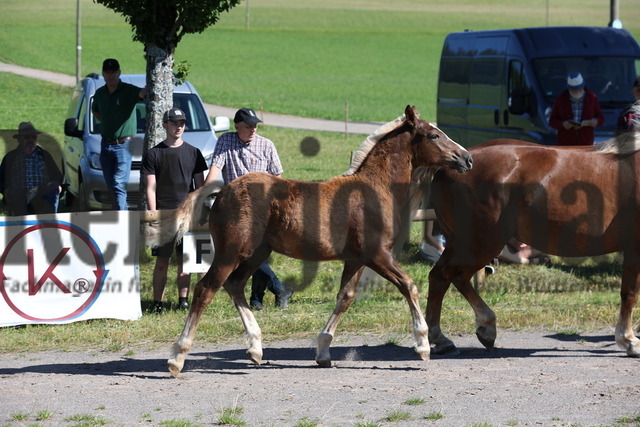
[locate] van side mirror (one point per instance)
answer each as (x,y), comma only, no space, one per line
(71,128)
(221,124)
(518,101)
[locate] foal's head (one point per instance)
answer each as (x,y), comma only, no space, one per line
(432,148)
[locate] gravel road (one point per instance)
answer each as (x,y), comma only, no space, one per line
(532,378)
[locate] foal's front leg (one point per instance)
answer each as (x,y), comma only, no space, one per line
(388,268)
(350,277)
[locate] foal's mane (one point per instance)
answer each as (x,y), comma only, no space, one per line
(370,142)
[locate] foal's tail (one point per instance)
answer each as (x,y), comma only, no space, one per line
(191,214)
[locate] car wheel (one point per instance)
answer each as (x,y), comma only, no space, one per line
(83,199)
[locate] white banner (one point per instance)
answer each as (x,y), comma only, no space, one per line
(63,268)
(197,250)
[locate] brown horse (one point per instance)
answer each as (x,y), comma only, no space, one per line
(566,201)
(354,218)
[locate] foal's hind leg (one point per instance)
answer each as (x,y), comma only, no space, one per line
(625,337)
(350,277)
(202,296)
(235,287)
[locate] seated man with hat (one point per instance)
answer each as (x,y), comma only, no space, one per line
(30,180)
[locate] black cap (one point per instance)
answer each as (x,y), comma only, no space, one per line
(110,65)
(174,115)
(246,115)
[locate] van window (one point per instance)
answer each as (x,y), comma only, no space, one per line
(197,120)
(519,90)
(454,80)
(609,78)
(486,81)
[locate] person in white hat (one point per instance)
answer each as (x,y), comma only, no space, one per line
(30,180)
(576,112)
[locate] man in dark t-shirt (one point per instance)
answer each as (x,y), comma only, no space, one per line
(171,170)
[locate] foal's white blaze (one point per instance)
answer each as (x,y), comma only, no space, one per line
(458,145)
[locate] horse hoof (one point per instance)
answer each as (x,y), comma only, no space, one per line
(486,339)
(175,367)
(255,356)
(448,348)
(633,349)
(325,363)
(425,354)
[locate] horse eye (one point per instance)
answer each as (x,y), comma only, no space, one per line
(433,136)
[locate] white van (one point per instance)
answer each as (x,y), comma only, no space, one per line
(86,188)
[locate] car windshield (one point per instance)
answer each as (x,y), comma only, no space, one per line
(197,120)
(610,78)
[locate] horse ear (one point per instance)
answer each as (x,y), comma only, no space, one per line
(411,114)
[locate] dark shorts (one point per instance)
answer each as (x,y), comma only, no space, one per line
(167,249)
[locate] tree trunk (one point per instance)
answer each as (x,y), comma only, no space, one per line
(159,99)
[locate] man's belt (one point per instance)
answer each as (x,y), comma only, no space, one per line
(119,140)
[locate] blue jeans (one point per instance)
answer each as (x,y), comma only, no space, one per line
(116,168)
(264,278)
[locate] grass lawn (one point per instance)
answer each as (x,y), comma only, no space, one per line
(306,59)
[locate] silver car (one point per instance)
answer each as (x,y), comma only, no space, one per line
(85,185)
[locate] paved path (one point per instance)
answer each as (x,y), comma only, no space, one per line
(270,119)
(533,378)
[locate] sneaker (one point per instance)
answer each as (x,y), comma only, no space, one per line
(257,306)
(282,299)
(157,308)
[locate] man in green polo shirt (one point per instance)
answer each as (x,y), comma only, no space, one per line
(114,106)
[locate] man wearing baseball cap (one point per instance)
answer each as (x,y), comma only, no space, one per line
(114,105)
(171,170)
(575,113)
(239,153)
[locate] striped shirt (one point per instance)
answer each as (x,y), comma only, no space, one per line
(236,158)
(576,108)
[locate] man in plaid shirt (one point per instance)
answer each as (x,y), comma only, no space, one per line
(30,180)
(239,153)
(575,113)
